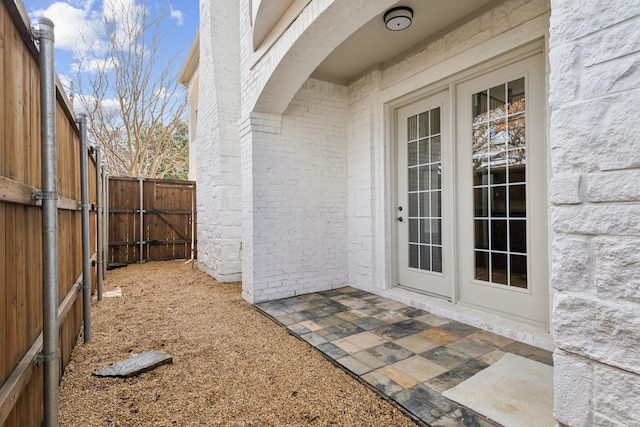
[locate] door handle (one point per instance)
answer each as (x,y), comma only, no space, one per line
(400,219)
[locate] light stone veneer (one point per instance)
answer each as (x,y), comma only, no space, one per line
(594,51)
(295,171)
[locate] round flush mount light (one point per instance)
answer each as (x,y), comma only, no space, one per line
(398,18)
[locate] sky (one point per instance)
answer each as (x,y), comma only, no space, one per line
(72,17)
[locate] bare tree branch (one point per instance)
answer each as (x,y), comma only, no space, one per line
(134,104)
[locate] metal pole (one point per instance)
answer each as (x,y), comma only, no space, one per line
(86,254)
(141,222)
(99,224)
(50,354)
(105,228)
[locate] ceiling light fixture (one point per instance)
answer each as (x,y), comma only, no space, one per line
(398,18)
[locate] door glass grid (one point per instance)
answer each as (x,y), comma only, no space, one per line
(424,142)
(499,184)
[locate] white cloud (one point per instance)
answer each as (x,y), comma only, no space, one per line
(73,26)
(96,64)
(110,106)
(178,16)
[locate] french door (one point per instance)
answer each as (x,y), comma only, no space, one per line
(423,213)
(491,250)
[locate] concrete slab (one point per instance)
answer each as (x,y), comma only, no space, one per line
(135,365)
(514,391)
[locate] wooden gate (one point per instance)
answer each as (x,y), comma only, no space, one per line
(162,211)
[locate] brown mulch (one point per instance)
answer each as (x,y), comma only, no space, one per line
(232,366)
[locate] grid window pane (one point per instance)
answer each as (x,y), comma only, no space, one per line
(499,183)
(425,194)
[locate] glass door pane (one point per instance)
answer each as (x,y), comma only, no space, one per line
(499,158)
(425,190)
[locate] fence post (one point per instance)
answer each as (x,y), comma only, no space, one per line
(86,255)
(99,224)
(105,228)
(141,220)
(50,353)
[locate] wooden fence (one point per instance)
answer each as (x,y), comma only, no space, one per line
(162,211)
(21,381)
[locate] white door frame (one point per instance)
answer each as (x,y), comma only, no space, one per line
(451,84)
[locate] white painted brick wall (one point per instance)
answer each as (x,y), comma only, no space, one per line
(595,152)
(368,234)
(218,143)
(296,198)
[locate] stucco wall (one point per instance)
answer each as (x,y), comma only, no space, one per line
(595,211)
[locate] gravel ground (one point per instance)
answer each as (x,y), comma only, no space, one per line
(232,366)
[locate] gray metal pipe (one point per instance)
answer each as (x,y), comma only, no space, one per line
(141,221)
(99,224)
(50,353)
(105,228)
(86,230)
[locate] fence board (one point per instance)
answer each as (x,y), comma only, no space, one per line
(21,387)
(168,215)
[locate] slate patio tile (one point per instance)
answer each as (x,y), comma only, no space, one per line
(371,310)
(313,338)
(329,293)
(354,365)
(311,297)
(489,338)
(344,329)
(348,290)
(432,319)
(299,329)
(366,340)
(390,316)
(382,383)
(400,329)
(346,346)
(470,347)
(286,320)
(332,351)
(434,398)
(491,358)
(418,407)
(439,336)
(459,328)
(391,305)
(416,343)
(411,311)
(398,376)
(329,321)
(530,352)
(419,368)
(446,357)
(390,352)
(355,303)
(369,359)
(351,315)
(368,323)
(303,306)
(297,316)
(311,325)
(455,376)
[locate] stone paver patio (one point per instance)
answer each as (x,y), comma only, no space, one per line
(408,355)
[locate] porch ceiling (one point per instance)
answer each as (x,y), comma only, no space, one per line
(373,43)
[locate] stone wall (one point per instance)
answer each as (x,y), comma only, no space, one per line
(595,212)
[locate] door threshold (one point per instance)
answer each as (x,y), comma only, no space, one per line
(519,331)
